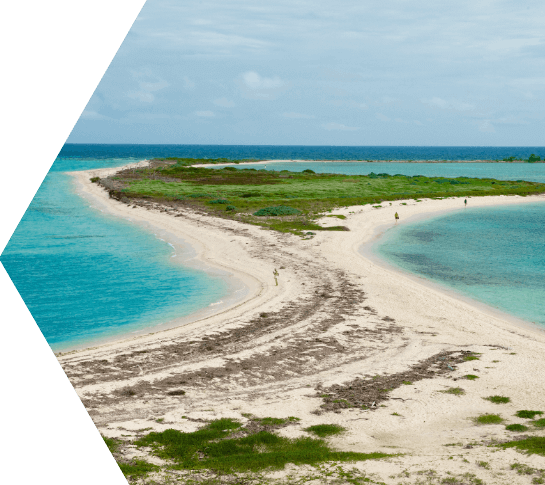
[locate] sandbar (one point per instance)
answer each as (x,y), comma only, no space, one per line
(336,317)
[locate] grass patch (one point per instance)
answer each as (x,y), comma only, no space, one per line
(540,423)
(215,448)
(111,443)
(488,419)
(468,358)
(137,468)
(471,377)
(525,414)
(456,391)
(338,216)
(516,427)
(498,399)
(280,210)
(173,181)
(532,446)
(323,430)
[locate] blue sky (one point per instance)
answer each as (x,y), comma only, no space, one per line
(325,73)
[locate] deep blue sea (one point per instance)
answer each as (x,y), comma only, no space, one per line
(86,276)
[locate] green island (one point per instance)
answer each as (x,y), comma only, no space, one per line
(286,201)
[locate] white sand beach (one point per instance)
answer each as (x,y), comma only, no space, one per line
(336,316)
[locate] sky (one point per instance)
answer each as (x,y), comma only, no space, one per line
(465,73)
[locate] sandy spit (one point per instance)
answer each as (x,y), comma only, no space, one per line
(335,317)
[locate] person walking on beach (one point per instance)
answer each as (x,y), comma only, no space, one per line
(397,217)
(465,202)
(276,275)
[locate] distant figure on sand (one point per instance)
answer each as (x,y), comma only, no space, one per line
(276,275)
(465,202)
(397,217)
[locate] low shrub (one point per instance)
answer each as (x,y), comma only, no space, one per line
(95,179)
(308,170)
(231,208)
(498,399)
(516,427)
(218,201)
(528,414)
(540,423)
(323,430)
(534,445)
(279,210)
(488,419)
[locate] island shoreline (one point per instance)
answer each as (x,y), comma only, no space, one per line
(336,318)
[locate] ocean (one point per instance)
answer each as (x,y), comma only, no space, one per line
(493,255)
(87,277)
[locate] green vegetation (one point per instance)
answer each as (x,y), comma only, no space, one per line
(540,423)
(498,399)
(473,356)
(225,446)
(137,468)
(111,443)
(516,427)
(471,377)
(523,469)
(488,419)
(279,210)
(323,430)
(534,445)
(457,391)
(287,201)
(525,414)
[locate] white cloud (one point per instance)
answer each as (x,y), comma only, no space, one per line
(255,86)
(148,83)
(443,104)
(485,126)
(205,114)
(141,96)
(338,127)
(254,81)
(92,115)
(224,103)
(294,115)
(382,117)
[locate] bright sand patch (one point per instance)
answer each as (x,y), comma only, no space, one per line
(335,316)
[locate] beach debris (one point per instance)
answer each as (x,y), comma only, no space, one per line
(369,392)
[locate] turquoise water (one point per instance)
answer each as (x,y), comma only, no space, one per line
(86,276)
(534,172)
(493,255)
